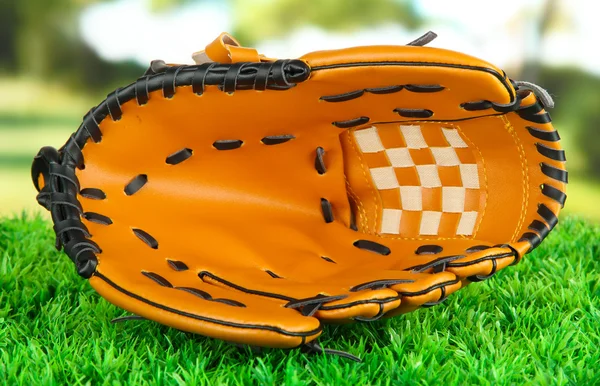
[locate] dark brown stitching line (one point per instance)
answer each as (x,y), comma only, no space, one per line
(424,113)
(204,318)
(436,119)
(498,76)
(381,90)
(433,263)
(328,259)
(372,318)
(177,265)
(429,249)
(270,140)
(481,259)
(320,161)
(359,302)
(440,300)
(478,278)
(326,208)
(379,284)
(243,289)
(208,297)
(93,193)
(179,156)
(429,289)
(299,301)
(355,122)
(228,144)
(351,122)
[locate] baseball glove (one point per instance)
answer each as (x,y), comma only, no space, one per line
(252,199)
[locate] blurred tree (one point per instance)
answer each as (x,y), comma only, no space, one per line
(577,96)
(255,20)
(541,25)
(262,19)
(7,35)
(33,29)
(40,39)
(161,5)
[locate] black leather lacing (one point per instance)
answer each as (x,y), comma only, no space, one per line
(206,296)
(327,210)
(158,279)
(534,113)
(550,136)
(228,144)
(320,161)
(135,184)
(314,348)
(413,113)
(277,139)
(437,265)
(92,193)
(272,274)
(477,248)
(429,250)
(97,218)
(379,315)
(538,230)
(379,284)
(58,195)
(440,300)
(179,156)
(478,278)
(372,246)
(554,193)
(418,88)
(146,238)
(328,259)
(177,265)
(351,122)
(169,86)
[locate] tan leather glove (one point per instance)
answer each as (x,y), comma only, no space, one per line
(251,199)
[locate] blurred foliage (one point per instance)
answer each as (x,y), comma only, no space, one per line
(163,5)
(40,39)
(276,18)
(588,138)
(33,29)
(577,107)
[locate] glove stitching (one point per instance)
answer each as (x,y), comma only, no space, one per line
(485,180)
(523,159)
(369,184)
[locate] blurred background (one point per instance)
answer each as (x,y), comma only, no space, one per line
(59,58)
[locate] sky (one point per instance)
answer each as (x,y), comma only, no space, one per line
(500,34)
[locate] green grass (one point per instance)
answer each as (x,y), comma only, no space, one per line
(535,323)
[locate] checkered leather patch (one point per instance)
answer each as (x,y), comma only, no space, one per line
(427,177)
